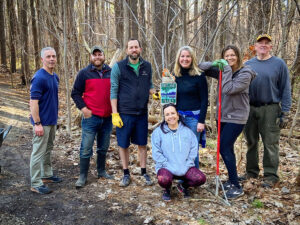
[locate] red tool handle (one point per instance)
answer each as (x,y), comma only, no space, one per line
(219,123)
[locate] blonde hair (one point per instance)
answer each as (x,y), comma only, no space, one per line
(194,69)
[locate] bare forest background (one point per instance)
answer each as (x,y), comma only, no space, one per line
(162,26)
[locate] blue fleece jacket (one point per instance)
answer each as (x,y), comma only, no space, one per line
(174,151)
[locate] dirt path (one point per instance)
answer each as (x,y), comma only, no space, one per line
(104,202)
(65,205)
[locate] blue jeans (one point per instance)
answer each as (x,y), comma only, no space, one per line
(93,127)
(191,122)
(229,134)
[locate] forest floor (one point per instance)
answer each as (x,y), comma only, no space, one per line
(104,202)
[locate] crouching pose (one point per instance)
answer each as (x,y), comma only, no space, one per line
(174,149)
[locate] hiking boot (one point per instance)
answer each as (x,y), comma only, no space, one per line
(234,192)
(53,179)
(148,180)
(84,168)
(41,190)
(183,190)
(125,181)
(166,196)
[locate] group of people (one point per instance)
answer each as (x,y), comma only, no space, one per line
(256,98)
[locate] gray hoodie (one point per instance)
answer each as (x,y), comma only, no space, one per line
(235,93)
(174,151)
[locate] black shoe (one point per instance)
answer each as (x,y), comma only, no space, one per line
(268,183)
(247,176)
(166,196)
(234,192)
(183,190)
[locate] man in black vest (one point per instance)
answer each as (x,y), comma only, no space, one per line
(131,83)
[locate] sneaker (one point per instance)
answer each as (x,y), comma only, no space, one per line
(183,190)
(148,181)
(41,190)
(227,185)
(125,181)
(234,192)
(166,196)
(53,179)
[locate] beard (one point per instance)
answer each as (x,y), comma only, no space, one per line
(97,63)
(134,57)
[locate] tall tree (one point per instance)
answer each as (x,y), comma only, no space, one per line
(133,15)
(10,5)
(158,30)
(35,35)
(24,39)
(119,22)
(2,35)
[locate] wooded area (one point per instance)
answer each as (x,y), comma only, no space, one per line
(73,26)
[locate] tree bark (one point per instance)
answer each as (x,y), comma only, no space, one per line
(24,33)
(119,23)
(133,26)
(12,34)
(2,36)
(158,30)
(35,36)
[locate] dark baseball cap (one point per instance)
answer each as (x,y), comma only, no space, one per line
(266,36)
(96,48)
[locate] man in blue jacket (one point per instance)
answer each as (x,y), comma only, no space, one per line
(91,94)
(131,83)
(44,114)
(270,102)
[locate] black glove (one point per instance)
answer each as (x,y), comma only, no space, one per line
(283,119)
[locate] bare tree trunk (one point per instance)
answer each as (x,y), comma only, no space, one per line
(52,22)
(35,36)
(2,36)
(126,22)
(295,69)
(290,13)
(66,74)
(12,34)
(133,26)
(294,123)
(40,23)
(24,30)
(158,30)
(119,23)
(184,25)
(143,24)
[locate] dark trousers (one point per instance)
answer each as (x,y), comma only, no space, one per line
(229,134)
(263,121)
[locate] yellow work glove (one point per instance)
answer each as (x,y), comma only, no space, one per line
(156,96)
(116,120)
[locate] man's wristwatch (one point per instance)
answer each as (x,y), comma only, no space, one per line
(37,123)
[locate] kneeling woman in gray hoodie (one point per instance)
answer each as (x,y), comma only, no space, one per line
(174,149)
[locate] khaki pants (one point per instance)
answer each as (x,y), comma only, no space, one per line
(40,161)
(263,121)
